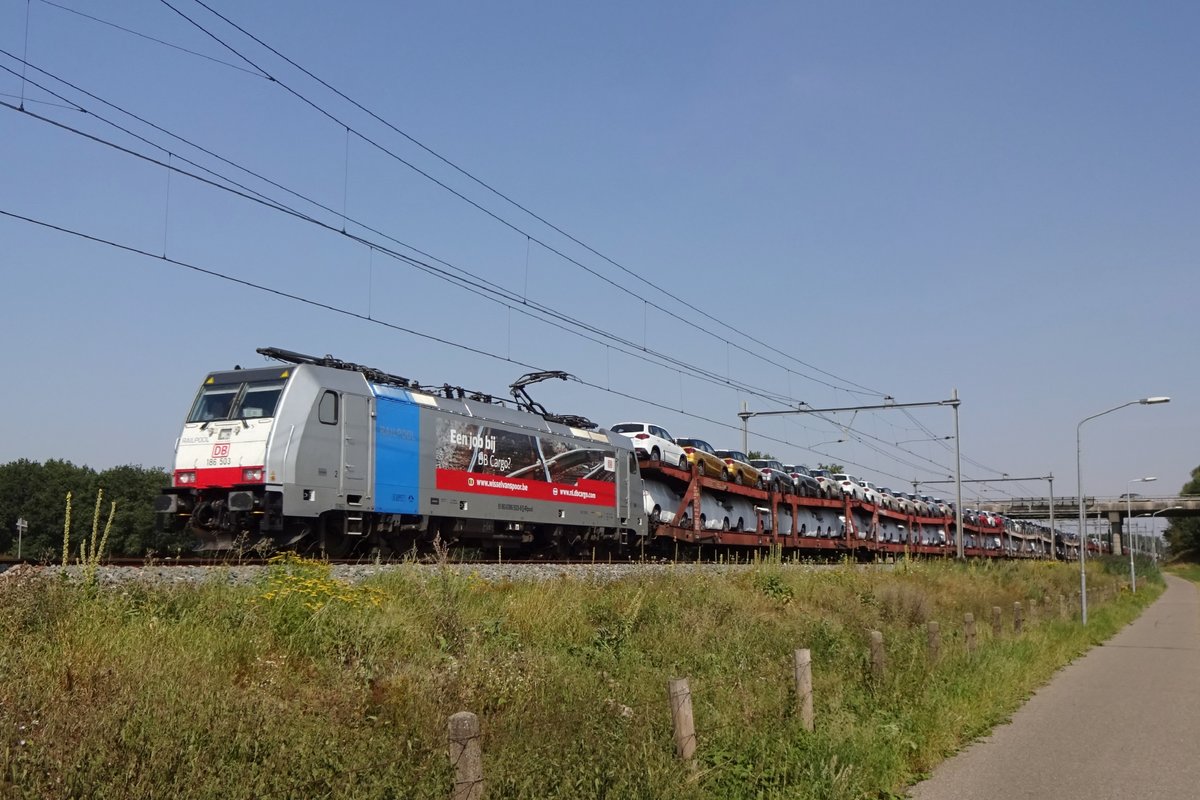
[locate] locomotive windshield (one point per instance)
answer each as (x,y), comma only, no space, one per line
(237,401)
(260,399)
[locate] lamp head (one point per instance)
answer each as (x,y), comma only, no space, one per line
(1153,401)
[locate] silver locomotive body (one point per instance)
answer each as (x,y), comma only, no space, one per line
(331,453)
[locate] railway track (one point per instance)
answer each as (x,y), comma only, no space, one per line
(230,561)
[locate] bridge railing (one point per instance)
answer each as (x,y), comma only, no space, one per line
(1043,502)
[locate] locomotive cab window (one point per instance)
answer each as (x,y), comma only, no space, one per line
(237,401)
(328,410)
(214,402)
(260,399)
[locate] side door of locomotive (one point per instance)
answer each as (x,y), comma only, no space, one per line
(355,474)
(630,489)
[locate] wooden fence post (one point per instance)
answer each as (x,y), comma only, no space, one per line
(934,641)
(878,665)
(969,632)
(681,719)
(997,623)
(1018,623)
(804,688)
(466,756)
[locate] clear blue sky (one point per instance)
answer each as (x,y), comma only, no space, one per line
(909,197)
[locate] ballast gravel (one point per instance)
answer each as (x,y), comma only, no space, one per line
(353,573)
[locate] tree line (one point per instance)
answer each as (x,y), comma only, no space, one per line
(36,492)
(1183,534)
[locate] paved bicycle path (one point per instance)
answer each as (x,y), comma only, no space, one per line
(1121,722)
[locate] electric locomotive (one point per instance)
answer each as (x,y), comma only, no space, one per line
(318,452)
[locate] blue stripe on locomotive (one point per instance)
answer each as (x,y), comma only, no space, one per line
(397,448)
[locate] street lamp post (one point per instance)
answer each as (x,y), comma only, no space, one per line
(21,526)
(1146,401)
(1050,555)
(1129,519)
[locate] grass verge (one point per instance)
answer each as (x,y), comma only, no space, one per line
(304,686)
(1188,571)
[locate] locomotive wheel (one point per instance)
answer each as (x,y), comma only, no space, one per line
(334,545)
(331,542)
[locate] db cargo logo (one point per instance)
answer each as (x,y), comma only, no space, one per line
(220,451)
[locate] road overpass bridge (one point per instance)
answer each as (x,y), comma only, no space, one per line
(1114,508)
(1067,508)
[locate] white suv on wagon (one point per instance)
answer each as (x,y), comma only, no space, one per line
(652,442)
(850,485)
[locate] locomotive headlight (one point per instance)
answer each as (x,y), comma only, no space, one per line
(252,475)
(184,478)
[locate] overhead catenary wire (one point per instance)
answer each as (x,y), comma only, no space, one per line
(375,321)
(697,372)
(724,380)
(258,72)
(633,349)
(151,38)
(38,102)
(28,10)
(862,437)
(515,228)
(942,443)
(507,198)
(248,193)
(693,368)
